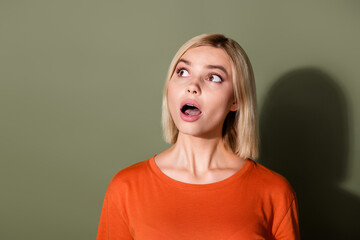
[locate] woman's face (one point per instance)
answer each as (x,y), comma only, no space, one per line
(200,92)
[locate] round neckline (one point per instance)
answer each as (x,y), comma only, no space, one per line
(192,186)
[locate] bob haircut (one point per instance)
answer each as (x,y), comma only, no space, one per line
(240,130)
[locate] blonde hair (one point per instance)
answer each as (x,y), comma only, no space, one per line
(240,129)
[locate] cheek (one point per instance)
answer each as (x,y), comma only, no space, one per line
(172,96)
(170,90)
(222,101)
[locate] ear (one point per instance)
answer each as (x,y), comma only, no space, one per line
(234,107)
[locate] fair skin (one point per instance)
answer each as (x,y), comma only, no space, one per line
(204,76)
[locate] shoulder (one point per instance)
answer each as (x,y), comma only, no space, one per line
(129,175)
(269,182)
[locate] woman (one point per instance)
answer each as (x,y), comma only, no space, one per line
(205,186)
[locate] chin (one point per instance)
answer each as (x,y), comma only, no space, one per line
(198,132)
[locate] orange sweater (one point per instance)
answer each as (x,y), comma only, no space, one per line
(143,203)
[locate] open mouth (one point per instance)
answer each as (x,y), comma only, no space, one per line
(190,110)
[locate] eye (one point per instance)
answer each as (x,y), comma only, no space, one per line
(182,72)
(215,78)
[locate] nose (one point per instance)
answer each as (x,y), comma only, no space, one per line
(193,88)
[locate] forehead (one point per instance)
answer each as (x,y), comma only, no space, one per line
(208,55)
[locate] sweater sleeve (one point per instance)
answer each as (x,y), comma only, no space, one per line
(289,226)
(112,225)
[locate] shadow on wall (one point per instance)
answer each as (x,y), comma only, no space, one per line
(304,137)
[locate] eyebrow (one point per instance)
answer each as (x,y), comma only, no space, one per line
(208,66)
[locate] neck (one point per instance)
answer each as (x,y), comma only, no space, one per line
(199,155)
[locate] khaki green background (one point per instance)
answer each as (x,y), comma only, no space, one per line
(81,89)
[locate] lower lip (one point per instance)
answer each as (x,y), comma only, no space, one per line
(189,118)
